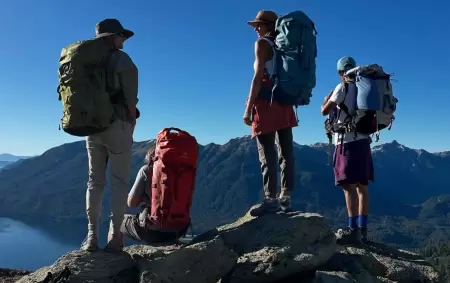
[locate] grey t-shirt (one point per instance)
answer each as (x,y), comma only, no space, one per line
(141,190)
(141,186)
(123,76)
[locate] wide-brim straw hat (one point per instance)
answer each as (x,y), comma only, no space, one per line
(265,17)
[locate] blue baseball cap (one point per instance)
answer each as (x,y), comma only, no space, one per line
(346,63)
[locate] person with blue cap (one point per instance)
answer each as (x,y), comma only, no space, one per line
(353,165)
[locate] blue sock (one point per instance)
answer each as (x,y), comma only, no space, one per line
(362,221)
(352,222)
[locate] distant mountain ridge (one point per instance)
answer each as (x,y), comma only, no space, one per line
(8,159)
(11,157)
(52,186)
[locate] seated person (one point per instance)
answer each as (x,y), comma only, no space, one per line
(139,227)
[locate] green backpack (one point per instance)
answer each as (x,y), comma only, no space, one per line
(83,90)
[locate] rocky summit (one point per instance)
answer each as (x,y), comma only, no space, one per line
(292,247)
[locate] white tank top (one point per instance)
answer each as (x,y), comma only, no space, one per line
(270,64)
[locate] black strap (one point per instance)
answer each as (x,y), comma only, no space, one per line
(343,107)
(330,144)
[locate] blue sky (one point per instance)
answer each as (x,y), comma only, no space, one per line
(195,64)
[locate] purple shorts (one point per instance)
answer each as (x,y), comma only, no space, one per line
(354,163)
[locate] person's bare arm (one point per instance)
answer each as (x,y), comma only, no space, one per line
(137,193)
(327,104)
(333,99)
(262,52)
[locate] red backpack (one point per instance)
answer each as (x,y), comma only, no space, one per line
(173,180)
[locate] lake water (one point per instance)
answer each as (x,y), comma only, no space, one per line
(22,246)
(25,247)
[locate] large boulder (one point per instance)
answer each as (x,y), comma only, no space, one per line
(198,263)
(276,246)
(378,263)
(288,248)
(101,267)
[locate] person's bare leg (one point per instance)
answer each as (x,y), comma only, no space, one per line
(363,211)
(351,200)
(363,199)
(350,235)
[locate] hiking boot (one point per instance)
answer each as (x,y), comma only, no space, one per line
(363,231)
(285,204)
(115,243)
(269,205)
(90,243)
(348,236)
(113,247)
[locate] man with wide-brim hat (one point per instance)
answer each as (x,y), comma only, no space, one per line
(115,144)
(109,27)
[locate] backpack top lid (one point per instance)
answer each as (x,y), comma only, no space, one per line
(291,29)
(367,70)
(295,16)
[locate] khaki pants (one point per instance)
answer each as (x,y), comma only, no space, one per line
(267,156)
(113,145)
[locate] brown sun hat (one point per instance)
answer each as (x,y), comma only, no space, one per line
(265,16)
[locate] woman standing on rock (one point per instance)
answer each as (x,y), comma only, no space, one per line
(271,122)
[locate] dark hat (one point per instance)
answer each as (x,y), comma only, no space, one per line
(265,16)
(111,26)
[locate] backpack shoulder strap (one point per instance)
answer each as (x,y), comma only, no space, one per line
(110,73)
(269,40)
(342,105)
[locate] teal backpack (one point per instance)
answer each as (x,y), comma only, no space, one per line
(295,48)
